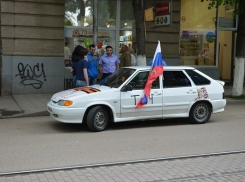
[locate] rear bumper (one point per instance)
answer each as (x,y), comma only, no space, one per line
(66,114)
(218,105)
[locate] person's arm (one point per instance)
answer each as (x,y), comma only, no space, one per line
(127,60)
(71,70)
(117,64)
(85,72)
(100,69)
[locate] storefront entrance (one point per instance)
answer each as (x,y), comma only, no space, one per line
(226,55)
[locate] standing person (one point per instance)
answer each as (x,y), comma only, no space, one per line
(92,65)
(108,63)
(125,59)
(80,66)
(133,59)
(67,53)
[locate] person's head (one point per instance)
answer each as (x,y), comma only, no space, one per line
(79,53)
(124,48)
(102,51)
(66,43)
(131,50)
(92,48)
(108,50)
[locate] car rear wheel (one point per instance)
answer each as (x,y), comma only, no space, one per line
(200,113)
(97,118)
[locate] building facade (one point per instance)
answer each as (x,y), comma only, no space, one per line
(33,34)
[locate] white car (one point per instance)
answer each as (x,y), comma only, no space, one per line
(180,92)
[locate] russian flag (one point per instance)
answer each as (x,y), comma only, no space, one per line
(156,71)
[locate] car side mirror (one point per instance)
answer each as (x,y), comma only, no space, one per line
(127,88)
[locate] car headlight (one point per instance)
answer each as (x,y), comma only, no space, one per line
(65,102)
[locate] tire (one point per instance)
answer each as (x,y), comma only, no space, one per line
(97,118)
(200,113)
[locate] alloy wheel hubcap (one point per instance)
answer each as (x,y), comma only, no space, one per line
(100,118)
(201,112)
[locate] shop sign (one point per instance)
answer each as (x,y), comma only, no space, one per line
(89,33)
(70,32)
(162,20)
(162,8)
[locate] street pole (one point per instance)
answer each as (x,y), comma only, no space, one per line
(1,62)
(95,23)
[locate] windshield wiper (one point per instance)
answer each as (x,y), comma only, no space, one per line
(106,84)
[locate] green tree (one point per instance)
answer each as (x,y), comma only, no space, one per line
(240,43)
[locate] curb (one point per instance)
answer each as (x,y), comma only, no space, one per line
(37,114)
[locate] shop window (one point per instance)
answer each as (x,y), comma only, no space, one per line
(198,33)
(107,13)
(127,19)
(79,13)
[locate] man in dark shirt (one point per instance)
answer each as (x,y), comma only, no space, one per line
(125,59)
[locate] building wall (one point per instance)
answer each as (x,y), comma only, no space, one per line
(32,35)
(169,36)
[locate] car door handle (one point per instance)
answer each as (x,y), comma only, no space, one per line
(157,93)
(134,95)
(192,92)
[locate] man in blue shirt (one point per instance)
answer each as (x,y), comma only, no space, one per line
(163,62)
(92,65)
(108,63)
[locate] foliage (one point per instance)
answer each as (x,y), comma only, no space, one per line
(68,22)
(226,3)
(237,97)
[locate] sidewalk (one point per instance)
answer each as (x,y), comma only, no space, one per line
(35,104)
(228,167)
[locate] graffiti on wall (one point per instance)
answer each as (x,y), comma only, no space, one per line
(31,76)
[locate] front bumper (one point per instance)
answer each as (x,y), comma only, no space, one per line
(66,114)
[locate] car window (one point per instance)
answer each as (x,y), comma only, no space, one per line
(175,79)
(117,78)
(197,78)
(139,81)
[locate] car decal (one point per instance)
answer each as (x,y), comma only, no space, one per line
(202,94)
(88,90)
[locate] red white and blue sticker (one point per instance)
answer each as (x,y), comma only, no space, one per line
(202,94)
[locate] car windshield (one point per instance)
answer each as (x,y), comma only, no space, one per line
(117,78)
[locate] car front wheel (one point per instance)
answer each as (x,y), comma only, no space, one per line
(97,118)
(200,113)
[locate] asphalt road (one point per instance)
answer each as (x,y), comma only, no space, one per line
(41,142)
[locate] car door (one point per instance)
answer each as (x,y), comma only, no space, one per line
(178,93)
(129,99)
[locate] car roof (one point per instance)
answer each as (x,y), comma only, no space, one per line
(164,68)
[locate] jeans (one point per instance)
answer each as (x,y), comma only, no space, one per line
(75,81)
(92,81)
(80,83)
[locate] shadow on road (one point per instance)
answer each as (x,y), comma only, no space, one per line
(71,128)
(148,123)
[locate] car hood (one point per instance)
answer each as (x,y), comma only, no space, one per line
(81,91)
